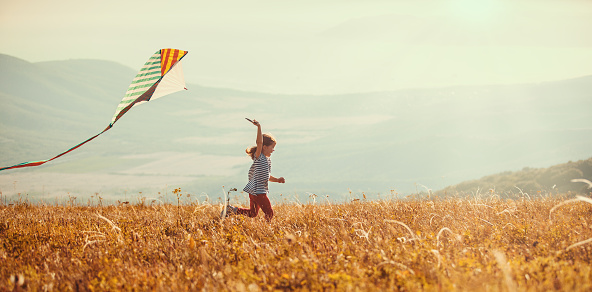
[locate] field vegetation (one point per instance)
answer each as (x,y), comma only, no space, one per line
(473,243)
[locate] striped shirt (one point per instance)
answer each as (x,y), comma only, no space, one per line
(259,176)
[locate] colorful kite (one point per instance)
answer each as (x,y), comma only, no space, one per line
(161,75)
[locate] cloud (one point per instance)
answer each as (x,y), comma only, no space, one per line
(511,29)
(329,122)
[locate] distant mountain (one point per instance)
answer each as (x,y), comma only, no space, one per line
(328,144)
(39,100)
(556,179)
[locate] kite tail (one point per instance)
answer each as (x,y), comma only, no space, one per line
(40,162)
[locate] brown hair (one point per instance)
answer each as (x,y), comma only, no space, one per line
(268,139)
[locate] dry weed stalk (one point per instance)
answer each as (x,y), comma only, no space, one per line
(456,236)
(500,258)
(413,236)
(113,226)
(577,199)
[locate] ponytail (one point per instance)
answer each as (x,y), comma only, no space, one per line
(251,151)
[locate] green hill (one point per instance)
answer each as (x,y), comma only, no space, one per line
(550,180)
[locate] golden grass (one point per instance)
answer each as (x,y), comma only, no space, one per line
(439,245)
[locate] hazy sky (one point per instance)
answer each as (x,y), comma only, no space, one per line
(316,46)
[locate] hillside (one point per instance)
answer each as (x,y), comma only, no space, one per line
(48,106)
(364,142)
(551,180)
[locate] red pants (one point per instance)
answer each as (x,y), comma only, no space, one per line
(258,201)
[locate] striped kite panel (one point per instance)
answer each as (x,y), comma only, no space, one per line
(169,58)
(144,97)
(149,74)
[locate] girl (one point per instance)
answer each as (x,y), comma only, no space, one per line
(259,176)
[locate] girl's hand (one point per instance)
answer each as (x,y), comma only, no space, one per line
(281,180)
(256,123)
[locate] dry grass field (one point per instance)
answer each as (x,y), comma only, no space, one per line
(455,244)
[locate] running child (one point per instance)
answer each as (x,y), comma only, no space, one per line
(259,177)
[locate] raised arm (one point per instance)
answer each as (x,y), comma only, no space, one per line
(259,139)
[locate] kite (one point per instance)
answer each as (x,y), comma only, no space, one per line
(161,75)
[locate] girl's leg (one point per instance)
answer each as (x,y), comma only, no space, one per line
(253,210)
(265,204)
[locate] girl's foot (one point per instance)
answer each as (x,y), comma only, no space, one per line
(230,210)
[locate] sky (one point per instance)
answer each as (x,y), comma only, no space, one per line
(316,47)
